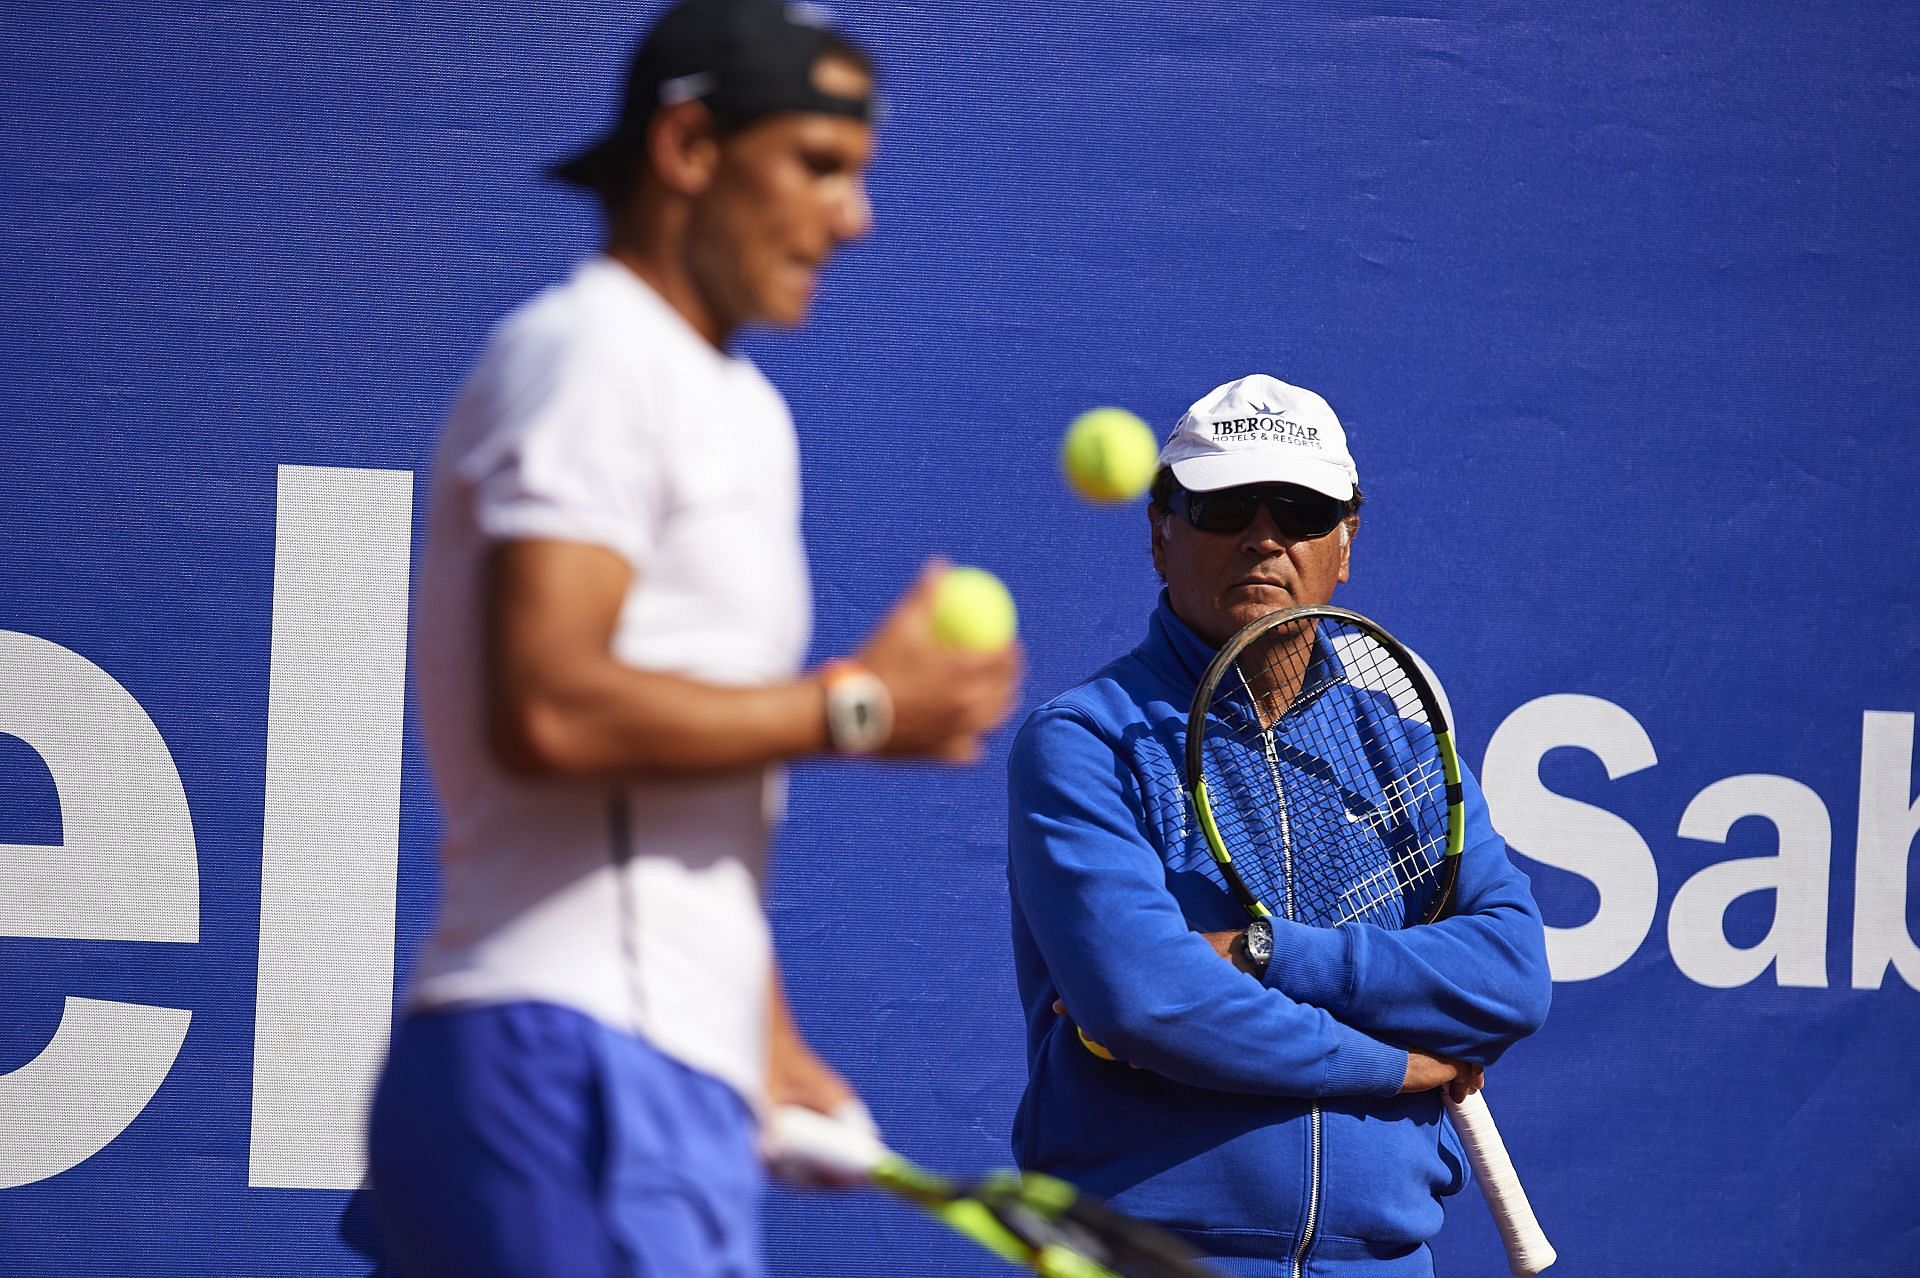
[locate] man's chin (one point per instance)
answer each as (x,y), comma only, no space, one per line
(1244,613)
(786,312)
(1254,602)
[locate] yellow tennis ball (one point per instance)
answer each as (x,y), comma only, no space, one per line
(972,609)
(1109,455)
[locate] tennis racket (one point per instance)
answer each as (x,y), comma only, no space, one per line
(1322,770)
(1027,1219)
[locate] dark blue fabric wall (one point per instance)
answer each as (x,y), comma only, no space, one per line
(1618,303)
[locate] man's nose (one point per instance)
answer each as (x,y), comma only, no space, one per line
(853,214)
(1263,532)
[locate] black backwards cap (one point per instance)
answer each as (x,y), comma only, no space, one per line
(744,58)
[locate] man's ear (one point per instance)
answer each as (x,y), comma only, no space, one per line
(1157,517)
(1349,527)
(683,147)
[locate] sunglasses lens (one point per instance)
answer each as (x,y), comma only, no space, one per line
(1298,515)
(1222,512)
(1302,520)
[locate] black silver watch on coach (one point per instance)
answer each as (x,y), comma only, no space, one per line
(1259,938)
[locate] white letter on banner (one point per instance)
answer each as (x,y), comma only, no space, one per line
(332,835)
(124,870)
(1797,942)
(87,1085)
(1575,836)
(1889,818)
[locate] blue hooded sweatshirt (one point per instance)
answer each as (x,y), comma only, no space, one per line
(1261,1118)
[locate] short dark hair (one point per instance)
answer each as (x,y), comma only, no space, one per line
(1161,493)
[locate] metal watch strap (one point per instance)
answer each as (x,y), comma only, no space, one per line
(859,708)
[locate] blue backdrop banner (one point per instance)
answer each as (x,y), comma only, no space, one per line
(1616,301)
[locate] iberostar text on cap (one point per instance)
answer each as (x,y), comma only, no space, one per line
(1261,430)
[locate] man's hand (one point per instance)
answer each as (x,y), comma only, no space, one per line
(797,1076)
(944,698)
(809,1150)
(1460,1078)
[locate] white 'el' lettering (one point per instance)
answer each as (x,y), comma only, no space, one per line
(125,870)
(332,835)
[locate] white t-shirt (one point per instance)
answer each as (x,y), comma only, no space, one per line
(598,415)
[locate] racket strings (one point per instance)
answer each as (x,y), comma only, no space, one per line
(1408,799)
(1323,778)
(1406,872)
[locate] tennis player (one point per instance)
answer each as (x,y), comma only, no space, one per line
(1206,1121)
(613,608)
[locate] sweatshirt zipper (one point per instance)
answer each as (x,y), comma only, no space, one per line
(1313,1112)
(1313,1199)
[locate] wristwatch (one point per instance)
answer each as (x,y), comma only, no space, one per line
(1259,939)
(859,708)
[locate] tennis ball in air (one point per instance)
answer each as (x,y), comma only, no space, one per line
(972,609)
(1109,455)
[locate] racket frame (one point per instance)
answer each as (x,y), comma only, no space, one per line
(997,1213)
(1431,705)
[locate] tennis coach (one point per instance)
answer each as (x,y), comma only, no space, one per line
(1278,1109)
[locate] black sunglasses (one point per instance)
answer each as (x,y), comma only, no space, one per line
(1299,514)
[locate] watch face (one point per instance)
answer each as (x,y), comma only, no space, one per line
(1260,941)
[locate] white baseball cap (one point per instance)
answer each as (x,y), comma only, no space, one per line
(1260,430)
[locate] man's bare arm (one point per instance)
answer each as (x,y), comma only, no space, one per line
(559,703)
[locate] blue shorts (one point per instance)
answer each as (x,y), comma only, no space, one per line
(527,1140)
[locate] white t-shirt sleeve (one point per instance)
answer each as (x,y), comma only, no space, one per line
(560,450)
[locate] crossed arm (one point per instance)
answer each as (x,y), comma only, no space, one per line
(1092,889)
(1466,987)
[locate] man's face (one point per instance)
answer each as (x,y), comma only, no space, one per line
(788,191)
(1221,581)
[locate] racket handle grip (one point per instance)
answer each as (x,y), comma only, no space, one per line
(1528,1251)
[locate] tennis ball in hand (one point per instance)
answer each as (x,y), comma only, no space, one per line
(972,610)
(1109,455)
